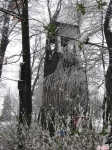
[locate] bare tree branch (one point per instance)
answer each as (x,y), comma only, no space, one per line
(49,11)
(37,75)
(9,12)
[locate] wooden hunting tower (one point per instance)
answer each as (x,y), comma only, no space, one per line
(64,77)
(59,45)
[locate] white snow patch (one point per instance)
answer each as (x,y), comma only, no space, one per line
(98,125)
(110,25)
(84,37)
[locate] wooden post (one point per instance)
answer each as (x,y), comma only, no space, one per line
(21,87)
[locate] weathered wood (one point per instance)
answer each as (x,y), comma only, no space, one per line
(21,85)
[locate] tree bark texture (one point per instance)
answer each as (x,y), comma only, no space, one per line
(26,60)
(4,40)
(108,77)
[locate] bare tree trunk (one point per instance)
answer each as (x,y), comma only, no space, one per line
(26,60)
(4,39)
(25,106)
(108,77)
